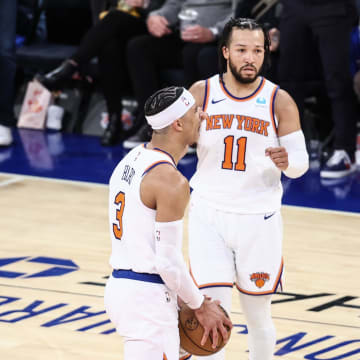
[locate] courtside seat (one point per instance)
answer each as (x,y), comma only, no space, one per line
(43,56)
(66,23)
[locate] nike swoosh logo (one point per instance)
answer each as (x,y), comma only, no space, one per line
(269,216)
(216,101)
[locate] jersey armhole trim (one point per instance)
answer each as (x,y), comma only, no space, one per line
(272,108)
(206,95)
(156,164)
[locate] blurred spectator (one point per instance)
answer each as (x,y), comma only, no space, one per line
(27,21)
(355,60)
(312,28)
(98,6)
(7,69)
(107,40)
(169,47)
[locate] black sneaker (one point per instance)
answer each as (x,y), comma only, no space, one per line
(59,77)
(113,131)
(143,135)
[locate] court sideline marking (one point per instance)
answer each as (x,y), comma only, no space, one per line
(94,184)
(233,312)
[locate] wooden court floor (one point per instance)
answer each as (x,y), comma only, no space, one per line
(54,253)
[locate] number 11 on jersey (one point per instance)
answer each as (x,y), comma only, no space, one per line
(228,154)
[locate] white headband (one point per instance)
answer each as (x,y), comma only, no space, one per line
(173,112)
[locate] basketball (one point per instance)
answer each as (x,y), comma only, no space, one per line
(191,333)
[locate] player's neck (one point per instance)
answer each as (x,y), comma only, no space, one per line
(173,148)
(240,89)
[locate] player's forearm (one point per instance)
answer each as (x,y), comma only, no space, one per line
(170,263)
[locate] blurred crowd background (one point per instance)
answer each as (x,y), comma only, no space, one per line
(101,59)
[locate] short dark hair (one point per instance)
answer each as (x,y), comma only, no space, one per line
(243,24)
(162,99)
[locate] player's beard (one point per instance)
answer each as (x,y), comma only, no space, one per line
(237,74)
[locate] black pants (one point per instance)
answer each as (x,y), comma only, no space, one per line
(148,55)
(7,61)
(322,30)
(108,40)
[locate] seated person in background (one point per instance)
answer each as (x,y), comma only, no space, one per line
(107,40)
(7,69)
(327,25)
(355,60)
(169,47)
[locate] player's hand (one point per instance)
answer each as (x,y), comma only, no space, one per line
(197,34)
(213,319)
(157,25)
(202,114)
(279,157)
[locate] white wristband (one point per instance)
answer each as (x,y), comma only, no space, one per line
(298,158)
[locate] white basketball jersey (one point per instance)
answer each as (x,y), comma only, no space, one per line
(131,222)
(233,173)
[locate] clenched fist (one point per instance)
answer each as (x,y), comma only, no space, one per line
(279,157)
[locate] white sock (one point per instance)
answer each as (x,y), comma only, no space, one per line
(262,333)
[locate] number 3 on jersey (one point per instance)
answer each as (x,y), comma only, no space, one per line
(228,154)
(118,227)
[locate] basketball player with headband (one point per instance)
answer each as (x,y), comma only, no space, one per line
(250,137)
(147,201)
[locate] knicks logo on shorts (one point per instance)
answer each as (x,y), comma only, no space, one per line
(259,278)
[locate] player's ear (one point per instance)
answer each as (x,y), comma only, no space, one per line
(178,124)
(225,51)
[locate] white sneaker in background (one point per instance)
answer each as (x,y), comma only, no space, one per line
(6,138)
(337,166)
(55,115)
(142,136)
(5,154)
(357,158)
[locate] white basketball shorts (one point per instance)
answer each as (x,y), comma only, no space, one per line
(227,248)
(145,314)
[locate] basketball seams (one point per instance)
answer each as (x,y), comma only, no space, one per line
(189,338)
(190,335)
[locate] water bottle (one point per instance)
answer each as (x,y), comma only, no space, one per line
(188,17)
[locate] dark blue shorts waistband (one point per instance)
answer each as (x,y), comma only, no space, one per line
(129,274)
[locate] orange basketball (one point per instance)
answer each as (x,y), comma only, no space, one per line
(191,332)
